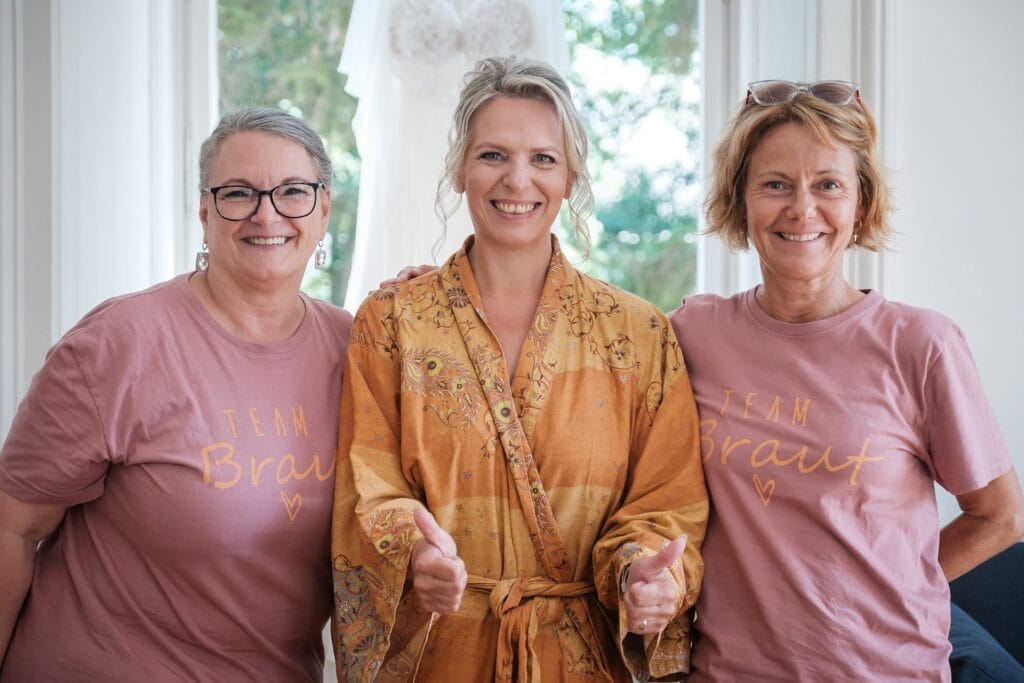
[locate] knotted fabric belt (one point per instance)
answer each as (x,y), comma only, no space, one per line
(519,617)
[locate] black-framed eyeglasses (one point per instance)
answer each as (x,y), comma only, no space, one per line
(241,202)
(768,93)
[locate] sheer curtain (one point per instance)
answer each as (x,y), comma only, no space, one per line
(405,61)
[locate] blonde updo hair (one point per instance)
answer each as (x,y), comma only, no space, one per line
(516,77)
(850,124)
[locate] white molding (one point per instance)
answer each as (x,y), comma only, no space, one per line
(9,389)
(200,92)
(98,99)
(851,42)
(166,135)
(31,208)
(876,46)
(729,48)
(718,29)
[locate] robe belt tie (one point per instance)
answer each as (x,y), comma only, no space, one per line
(519,616)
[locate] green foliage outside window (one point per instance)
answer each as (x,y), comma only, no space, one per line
(286,54)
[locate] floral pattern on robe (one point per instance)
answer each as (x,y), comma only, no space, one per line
(550,483)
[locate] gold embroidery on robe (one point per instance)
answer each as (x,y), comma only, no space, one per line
(550,484)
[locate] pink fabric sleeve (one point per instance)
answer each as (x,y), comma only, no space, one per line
(56,451)
(966,446)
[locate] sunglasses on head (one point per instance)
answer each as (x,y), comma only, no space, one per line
(767,93)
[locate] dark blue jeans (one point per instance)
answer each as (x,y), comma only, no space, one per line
(976,656)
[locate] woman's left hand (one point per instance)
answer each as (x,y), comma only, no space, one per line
(651,598)
(406,274)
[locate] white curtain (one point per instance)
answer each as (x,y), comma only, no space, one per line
(405,61)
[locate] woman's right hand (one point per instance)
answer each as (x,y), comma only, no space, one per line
(406,274)
(438,575)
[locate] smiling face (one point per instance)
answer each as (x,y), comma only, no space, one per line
(801,199)
(267,248)
(515,173)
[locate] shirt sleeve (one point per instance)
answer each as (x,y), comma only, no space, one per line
(56,451)
(666,498)
(965,445)
(373,528)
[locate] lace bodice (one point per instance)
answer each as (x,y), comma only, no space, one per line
(426,36)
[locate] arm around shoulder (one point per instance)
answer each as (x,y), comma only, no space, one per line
(22,527)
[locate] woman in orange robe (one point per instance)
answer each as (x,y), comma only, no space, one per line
(519,491)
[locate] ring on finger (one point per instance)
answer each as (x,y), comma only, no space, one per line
(643,625)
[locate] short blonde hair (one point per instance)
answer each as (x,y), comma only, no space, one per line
(851,125)
(516,77)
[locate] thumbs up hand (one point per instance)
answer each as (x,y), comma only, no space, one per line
(651,597)
(438,575)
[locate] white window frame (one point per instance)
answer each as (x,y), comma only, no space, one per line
(97,101)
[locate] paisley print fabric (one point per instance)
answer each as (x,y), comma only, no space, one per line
(551,479)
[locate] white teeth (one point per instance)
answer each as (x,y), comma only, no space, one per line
(509,207)
(801,237)
(264,241)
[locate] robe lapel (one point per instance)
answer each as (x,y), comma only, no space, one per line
(513,409)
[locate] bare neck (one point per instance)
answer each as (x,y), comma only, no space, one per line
(510,285)
(802,302)
(260,316)
(508,274)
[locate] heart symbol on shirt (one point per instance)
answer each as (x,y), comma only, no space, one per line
(764,490)
(292,504)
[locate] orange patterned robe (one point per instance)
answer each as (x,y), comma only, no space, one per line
(550,485)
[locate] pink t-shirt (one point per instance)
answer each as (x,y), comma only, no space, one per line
(821,442)
(199,471)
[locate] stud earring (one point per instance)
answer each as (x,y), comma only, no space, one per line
(320,256)
(202,258)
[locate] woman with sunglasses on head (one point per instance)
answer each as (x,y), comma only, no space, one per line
(827,414)
(166,485)
(518,440)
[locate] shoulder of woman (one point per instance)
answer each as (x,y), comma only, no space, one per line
(113,335)
(118,316)
(335,322)
(625,302)
(697,309)
(918,324)
(337,315)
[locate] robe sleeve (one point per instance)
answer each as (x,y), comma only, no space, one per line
(373,531)
(665,497)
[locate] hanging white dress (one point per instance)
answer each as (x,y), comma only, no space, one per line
(405,61)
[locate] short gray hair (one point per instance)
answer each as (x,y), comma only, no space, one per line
(516,77)
(272,122)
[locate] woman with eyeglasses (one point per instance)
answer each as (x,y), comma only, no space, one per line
(827,415)
(166,485)
(518,440)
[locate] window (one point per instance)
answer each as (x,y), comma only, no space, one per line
(634,65)
(636,81)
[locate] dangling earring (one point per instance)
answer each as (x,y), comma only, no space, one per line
(202,258)
(320,256)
